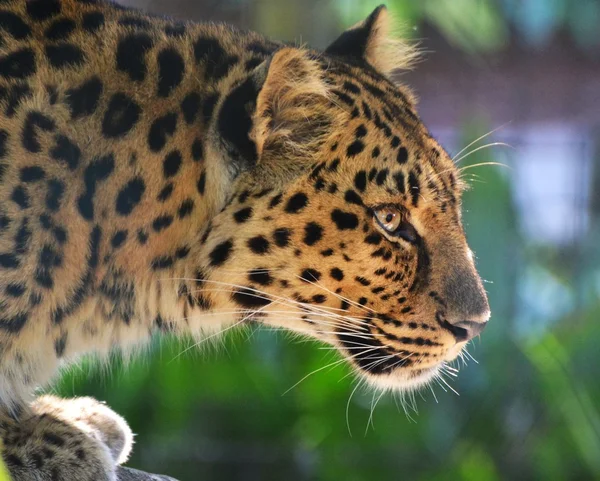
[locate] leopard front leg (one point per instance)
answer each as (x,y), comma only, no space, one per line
(77,439)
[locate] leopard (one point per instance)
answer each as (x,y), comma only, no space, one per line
(161,177)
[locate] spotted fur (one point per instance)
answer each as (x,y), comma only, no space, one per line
(163,176)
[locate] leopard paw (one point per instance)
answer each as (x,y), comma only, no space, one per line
(77,439)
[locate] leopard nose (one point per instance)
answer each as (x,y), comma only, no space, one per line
(466,330)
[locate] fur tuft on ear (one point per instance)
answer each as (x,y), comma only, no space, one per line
(372,41)
(294,110)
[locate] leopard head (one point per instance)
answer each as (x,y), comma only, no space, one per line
(345,223)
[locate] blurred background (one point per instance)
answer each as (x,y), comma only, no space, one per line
(529,70)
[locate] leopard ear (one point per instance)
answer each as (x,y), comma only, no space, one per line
(370,41)
(293,108)
(281,110)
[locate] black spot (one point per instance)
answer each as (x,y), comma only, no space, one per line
(16,95)
(43,277)
(275,201)
(413,183)
(165,193)
(373,239)
(351,87)
(313,233)
(92,21)
(258,244)
(162,222)
(142,236)
(161,262)
(3,149)
(361,131)
(182,252)
(185,209)
(60,29)
(19,64)
(402,156)
(131,55)
(190,106)
(120,117)
(355,148)
(64,55)
(13,324)
(372,174)
(83,100)
(197,150)
(362,280)
(33,122)
(221,253)
(296,203)
(98,170)
(216,61)
(262,193)
(56,189)
(252,63)
(60,234)
(172,163)
(336,274)
(118,239)
(23,237)
(360,180)
(40,10)
(14,25)
(395,141)
(4,222)
(15,290)
(60,345)
(399,179)
(282,236)
(201,185)
(351,197)
(235,122)
(260,276)
(381,176)
(32,173)
(344,220)
(319,298)
(310,275)
(20,197)
(334,165)
(9,261)
(170,71)
(242,215)
(160,129)
(249,299)
(52,94)
(66,151)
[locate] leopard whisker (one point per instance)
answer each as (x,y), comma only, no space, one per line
(373,406)
(478,139)
(481,147)
(358,384)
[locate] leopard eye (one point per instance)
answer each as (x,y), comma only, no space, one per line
(389,218)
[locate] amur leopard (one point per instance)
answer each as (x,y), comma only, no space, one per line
(163,176)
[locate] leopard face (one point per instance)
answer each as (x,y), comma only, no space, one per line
(363,247)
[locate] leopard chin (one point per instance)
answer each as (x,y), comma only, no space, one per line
(401,380)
